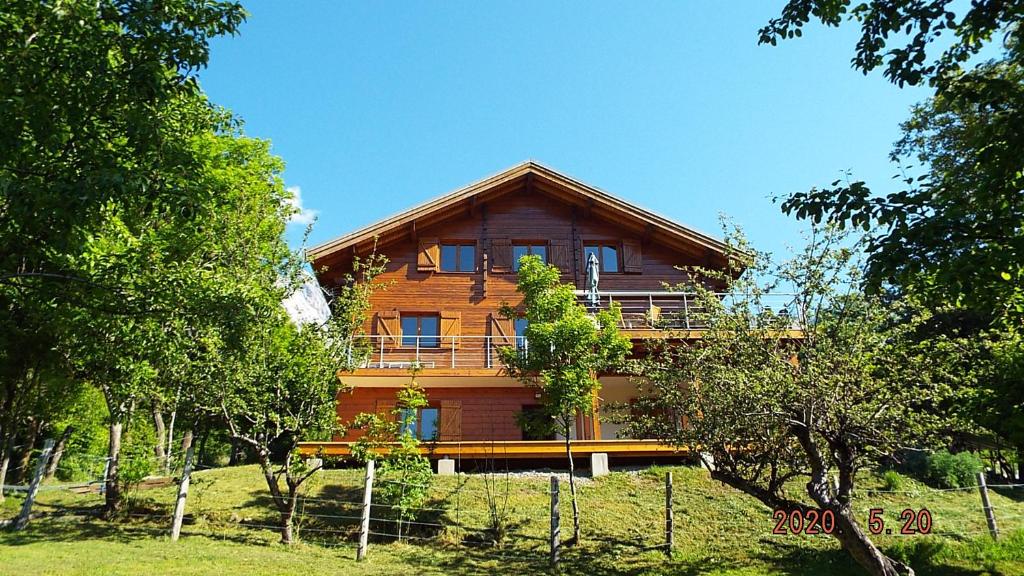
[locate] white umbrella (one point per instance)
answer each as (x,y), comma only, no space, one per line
(593,275)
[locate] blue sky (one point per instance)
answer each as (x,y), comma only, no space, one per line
(378,106)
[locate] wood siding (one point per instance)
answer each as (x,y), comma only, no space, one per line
(467,302)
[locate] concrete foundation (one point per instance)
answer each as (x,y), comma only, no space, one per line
(598,464)
(446,467)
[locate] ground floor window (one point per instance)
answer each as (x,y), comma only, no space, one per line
(424,423)
(536,424)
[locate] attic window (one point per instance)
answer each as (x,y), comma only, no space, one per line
(535,249)
(607,256)
(458,257)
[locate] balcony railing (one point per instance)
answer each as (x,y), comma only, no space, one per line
(405,352)
(646,311)
(683,310)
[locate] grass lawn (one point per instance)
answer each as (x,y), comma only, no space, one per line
(718,531)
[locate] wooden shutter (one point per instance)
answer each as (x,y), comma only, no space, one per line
(451,329)
(385,409)
(503,331)
(559,252)
(632,258)
(451,421)
(501,255)
(428,259)
(388,327)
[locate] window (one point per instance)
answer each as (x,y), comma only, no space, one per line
(520,327)
(520,250)
(607,256)
(424,425)
(420,328)
(458,258)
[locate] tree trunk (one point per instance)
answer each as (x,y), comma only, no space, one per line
(26,455)
(236,448)
(5,462)
(169,458)
(572,490)
(1020,463)
(58,451)
(161,435)
(862,549)
(114,498)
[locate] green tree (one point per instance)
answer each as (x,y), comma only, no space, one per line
(765,408)
(565,349)
(99,110)
(404,474)
(280,382)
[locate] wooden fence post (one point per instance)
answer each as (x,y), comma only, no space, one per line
(364,525)
(990,516)
(670,518)
(186,477)
(33,489)
(556,527)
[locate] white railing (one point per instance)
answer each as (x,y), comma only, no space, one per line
(640,311)
(667,310)
(406,352)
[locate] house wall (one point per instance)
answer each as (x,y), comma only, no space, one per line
(487,413)
(518,216)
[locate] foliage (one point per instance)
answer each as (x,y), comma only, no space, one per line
(918,23)
(947,470)
(953,234)
(892,481)
(763,407)
(405,474)
(566,347)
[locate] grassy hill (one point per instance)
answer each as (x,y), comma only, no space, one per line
(718,531)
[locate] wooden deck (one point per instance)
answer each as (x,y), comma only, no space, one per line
(523,449)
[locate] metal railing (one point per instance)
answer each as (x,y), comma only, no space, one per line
(640,311)
(406,352)
(667,310)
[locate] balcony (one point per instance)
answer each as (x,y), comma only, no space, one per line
(434,352)
(644,315)
(659,311)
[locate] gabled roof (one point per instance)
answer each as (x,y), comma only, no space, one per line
(541,179)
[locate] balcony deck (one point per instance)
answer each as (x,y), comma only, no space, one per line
(513,449)
(676,315)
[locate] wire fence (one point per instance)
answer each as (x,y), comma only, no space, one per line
(492,511)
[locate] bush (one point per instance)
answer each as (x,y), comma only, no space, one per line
(893,481)
(947,470)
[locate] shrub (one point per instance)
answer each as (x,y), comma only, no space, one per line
(893,481)
(948,470)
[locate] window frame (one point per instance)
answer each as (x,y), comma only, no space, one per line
(601,245)
(458,245)
(530,245)
(417,423)
(419,336)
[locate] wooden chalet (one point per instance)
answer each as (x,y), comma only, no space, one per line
(452,263)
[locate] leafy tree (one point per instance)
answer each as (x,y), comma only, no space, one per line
(766,409)
(99,110)
(565,350)
(955,234)
(280,382)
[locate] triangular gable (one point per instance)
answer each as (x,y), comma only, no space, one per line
(541,179)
